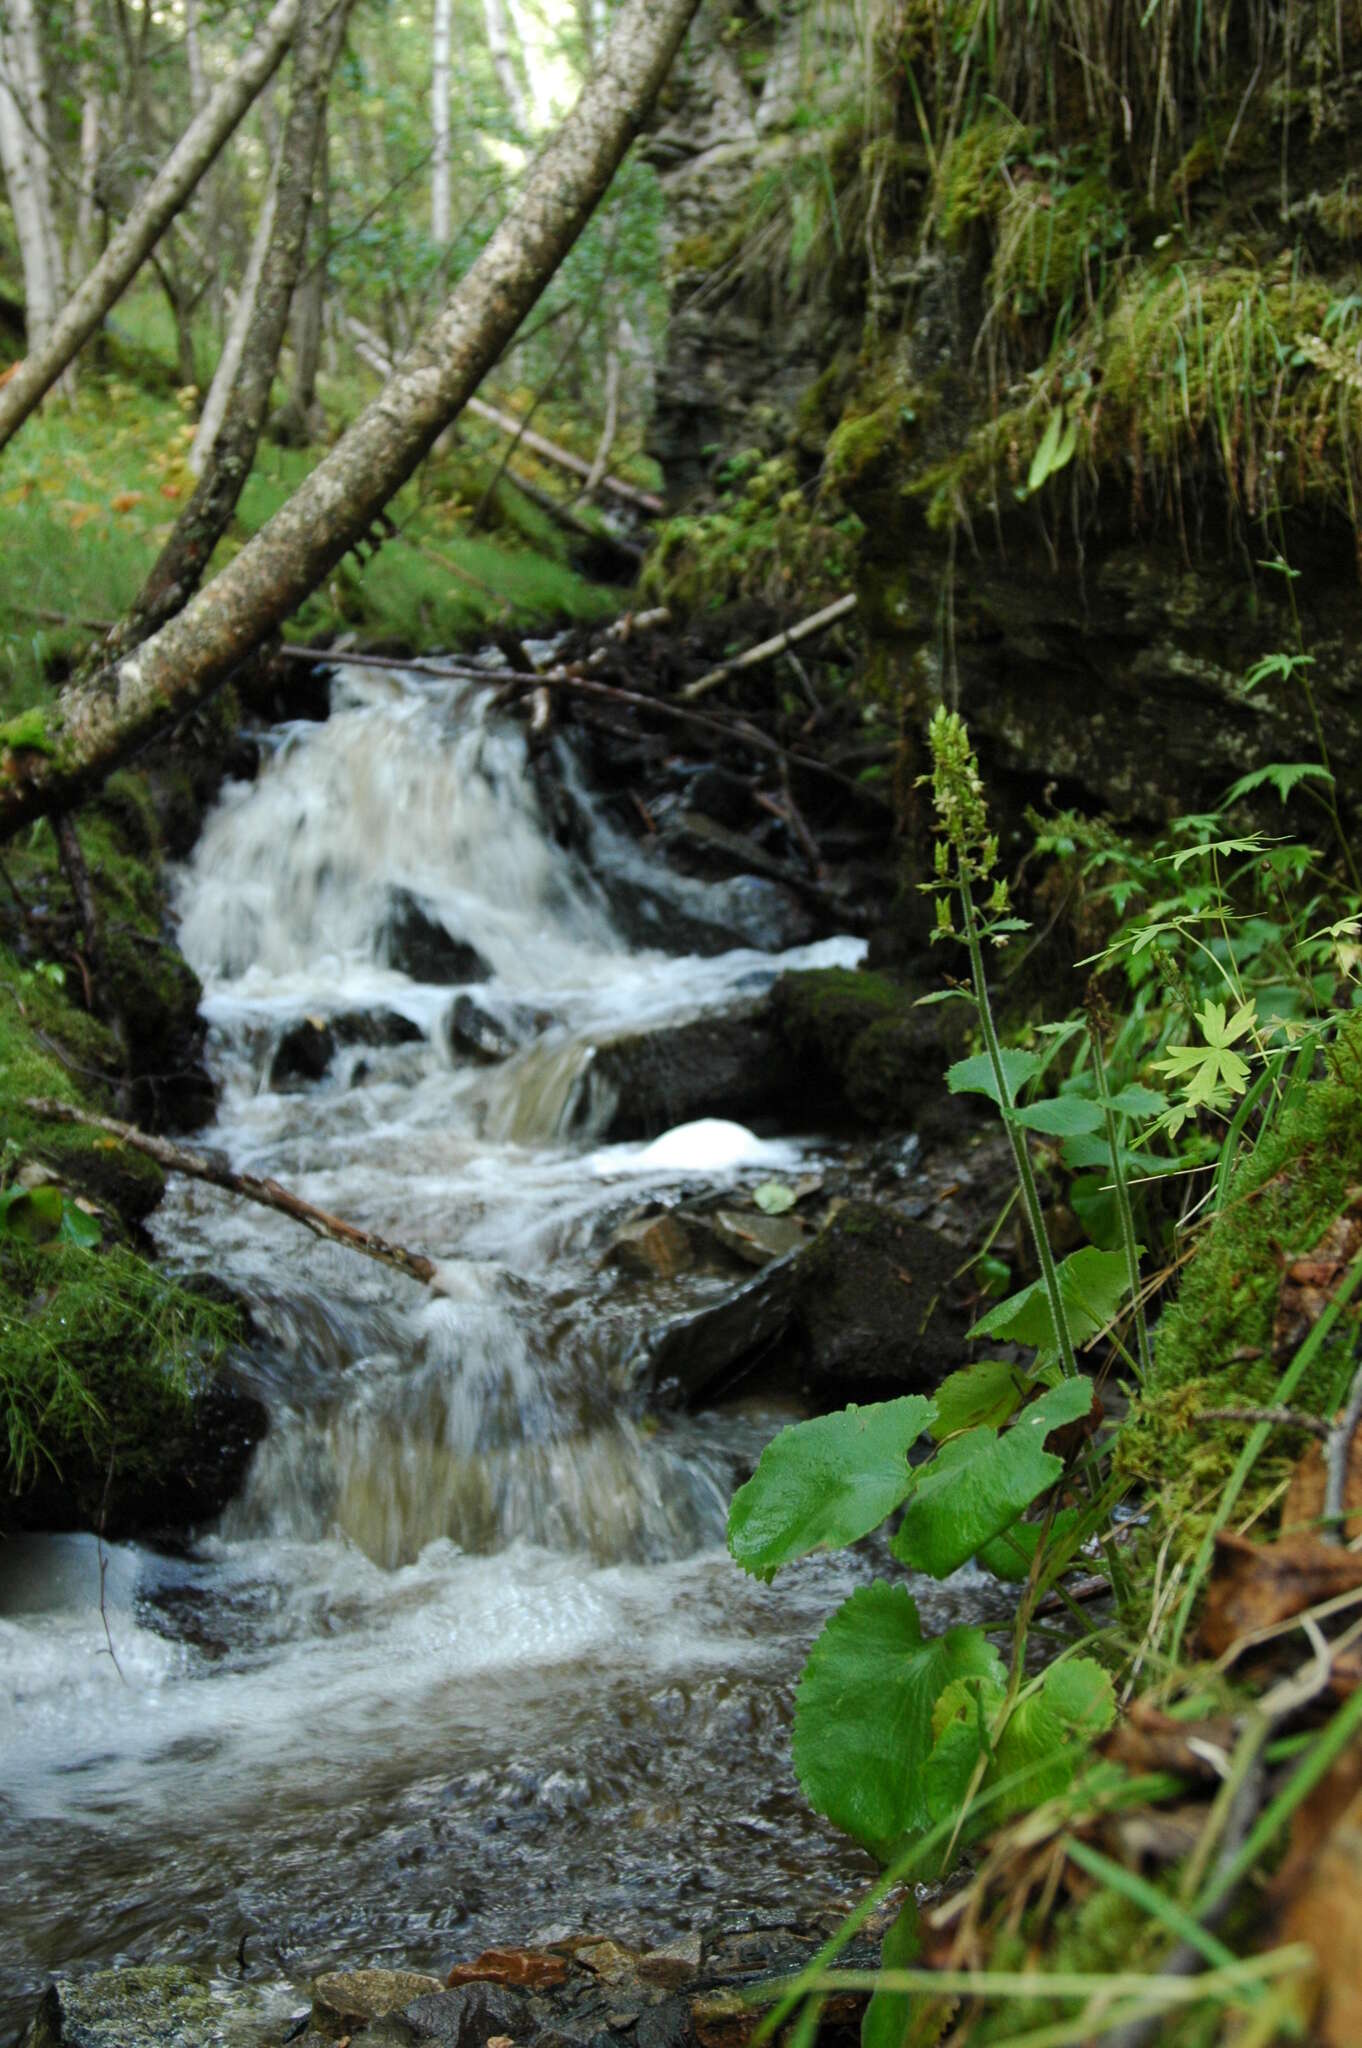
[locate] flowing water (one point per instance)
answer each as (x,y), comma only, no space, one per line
(467,1660)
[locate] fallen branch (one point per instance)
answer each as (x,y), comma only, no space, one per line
(781,644)
(563,458)
(268,1193)
(1337,1455)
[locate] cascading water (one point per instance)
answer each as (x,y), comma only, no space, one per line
(466,1661)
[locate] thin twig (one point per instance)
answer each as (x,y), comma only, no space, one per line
(1336,1458)
(268,1193)
(1279,1418)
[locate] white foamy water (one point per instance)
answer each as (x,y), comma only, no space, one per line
(467,1658)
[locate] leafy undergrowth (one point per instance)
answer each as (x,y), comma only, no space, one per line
(1132,1817)
(91,488)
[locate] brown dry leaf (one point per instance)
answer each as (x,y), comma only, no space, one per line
(1303,1507)
(123,501)
(1149,1740)
(533,1969)
(1309,1282)
(1257,1585)
(1324,1910)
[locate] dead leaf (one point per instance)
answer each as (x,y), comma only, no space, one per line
(1303,1506)
(533,1969)
(1257,1585)
(1325,1912)
(1149,1740)
(1309,1282)
(172,490)
(123,501)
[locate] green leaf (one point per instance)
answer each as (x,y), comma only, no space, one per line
(863,1712)
(888,2014)
(1092,1285)
(1063,1116)
(975,1076)
(33,1214)
(79,1228)
(824,1483)
(1136,1100)
(989,1391)
(973,1489)
(1010,1556)
(1047,1737)
(773,1198)
(1283,776)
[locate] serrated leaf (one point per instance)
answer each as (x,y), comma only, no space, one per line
(825,1483)
(989,1391)
(773,1198)
(975,1076)
(1092,1284)
(1062,1116)
(1283,776)
(1045,1739)
(1136,1100)
(863,1712)
(973,1489)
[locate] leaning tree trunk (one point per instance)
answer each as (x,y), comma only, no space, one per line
(179,174)
(49,759)
(233,444)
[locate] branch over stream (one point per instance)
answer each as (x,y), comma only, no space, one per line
(268,1193)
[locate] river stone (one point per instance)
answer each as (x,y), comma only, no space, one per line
(757,1239)
(160,2005)
(657,1247)
(492,1035)
(471,2015)
(303,1054)
(415,942)
(728,1065)
(375,1027)
(346,2001)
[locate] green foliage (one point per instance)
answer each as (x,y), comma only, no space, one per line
(764,539)
(822,1484)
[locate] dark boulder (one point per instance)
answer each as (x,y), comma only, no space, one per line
(480,1031)
(303,1054)
(729,1064)
(415,942)
(861,1046)
(374,1027)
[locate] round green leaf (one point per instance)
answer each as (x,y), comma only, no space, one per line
(863,1713)
(824,1483)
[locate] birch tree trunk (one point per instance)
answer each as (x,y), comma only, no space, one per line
(24,155)
(236,433)
(87,75)
(49,759)
(229,362)
(503,63)
(129,248)
(440,204)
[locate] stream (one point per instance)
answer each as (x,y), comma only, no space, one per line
(467,1660)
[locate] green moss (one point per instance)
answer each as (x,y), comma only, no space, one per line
(762,540)
(858,444)
(969,179)
(1214,1346)
(27,733)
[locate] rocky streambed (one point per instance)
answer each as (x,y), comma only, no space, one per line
(465,1664)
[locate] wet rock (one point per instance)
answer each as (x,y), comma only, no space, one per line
(754,1238)
(374,1027)
(346,2001)
(859,1043)
(492,1034)
(658,1247)
(416,943)
(727,1065)
(151,2006)
(719,794)
(675,1964)
(303,1054)
(865,1304)
(471,2015)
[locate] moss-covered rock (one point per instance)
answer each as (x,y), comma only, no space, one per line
(1219,1343)
(860,1043)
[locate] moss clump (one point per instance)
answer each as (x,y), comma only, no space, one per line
(763,540)
(1214,1345)
(860,443)
(99,1355)
(863,1043)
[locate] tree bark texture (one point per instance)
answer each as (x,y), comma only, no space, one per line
(243,313)
(503,63)
(25,158)
(440,203)
(87,73)
(179,174)
(236,433)
(47,760)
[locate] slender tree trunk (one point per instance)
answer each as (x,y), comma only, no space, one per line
(129,248)
(440,204)
(83,243)
(233,348)
(503,63)
(299,421)
(24,155)
(232,450)
(47,761)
